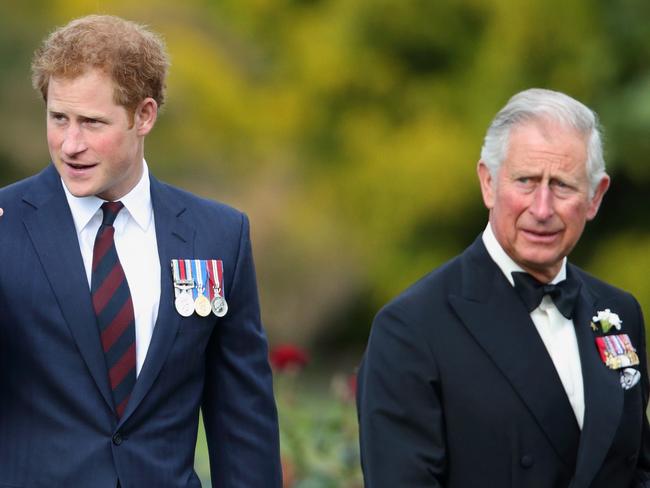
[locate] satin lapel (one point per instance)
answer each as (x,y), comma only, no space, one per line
(51,228)
(603,396)
(498,320)
(175,240)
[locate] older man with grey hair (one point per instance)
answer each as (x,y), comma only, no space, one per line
(509,366)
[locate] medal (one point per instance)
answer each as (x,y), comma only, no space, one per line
(617,351)
(184,304)
(182,289)
(218,302)
(202,306)
(201,303)
(629,378)
(219,306)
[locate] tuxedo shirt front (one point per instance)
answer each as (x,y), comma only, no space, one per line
(557,332)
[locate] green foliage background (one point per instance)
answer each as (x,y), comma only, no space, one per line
(349,131)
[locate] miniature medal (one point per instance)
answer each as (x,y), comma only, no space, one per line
(617,351)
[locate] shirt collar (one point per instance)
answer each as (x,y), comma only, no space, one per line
(505,263)
(137,202)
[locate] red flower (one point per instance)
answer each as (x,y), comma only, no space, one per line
(288,357)
(352,386)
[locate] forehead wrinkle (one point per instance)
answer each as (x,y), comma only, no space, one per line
(542,150)
(546,158)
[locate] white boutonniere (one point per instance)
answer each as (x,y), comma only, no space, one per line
(607,319)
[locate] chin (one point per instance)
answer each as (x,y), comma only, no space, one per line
(78,191)
(541,263)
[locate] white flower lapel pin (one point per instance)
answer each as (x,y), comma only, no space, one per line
(607,319)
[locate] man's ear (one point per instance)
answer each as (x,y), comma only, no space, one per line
(487,184)
(145,116)
(594,202)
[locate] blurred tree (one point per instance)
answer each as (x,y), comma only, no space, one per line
(349,130)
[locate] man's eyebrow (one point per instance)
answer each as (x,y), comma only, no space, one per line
(91,117)
(99,117)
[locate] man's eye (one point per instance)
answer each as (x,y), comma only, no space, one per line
(559,184)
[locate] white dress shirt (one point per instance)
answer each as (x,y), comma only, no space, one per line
(557,332)
(137,248)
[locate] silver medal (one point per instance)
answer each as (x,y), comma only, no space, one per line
(183,301)
(184,304)
(219,306)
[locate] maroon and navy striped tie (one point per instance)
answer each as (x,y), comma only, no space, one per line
(114,309)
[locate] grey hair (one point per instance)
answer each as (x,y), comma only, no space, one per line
(537,104)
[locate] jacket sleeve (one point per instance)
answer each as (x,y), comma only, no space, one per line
(239,411)
(401,427)
(642,475)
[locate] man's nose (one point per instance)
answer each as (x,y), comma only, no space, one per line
(73,141)
(542,205)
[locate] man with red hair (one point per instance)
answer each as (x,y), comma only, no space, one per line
(126,305)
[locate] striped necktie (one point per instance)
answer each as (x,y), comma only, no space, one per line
(114,310)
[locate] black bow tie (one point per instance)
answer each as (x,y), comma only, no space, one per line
(531,291)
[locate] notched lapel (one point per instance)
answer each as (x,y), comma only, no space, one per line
(50,226)
(491,311)
(603,396)
(175,240)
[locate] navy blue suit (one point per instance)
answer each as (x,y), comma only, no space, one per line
(457,390)
(58,426)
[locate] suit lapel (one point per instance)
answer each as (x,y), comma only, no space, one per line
(175,240)
(493,313)
(602,391)
(50,226)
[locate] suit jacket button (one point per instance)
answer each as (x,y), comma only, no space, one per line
(117,439)
(526,461)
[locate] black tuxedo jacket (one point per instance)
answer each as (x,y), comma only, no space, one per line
(58,426)
(457,390)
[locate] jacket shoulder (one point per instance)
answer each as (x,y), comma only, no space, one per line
(598,287)
(15,190)
(196,203)
(428,296)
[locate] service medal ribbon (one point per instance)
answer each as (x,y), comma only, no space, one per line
(617,351)
(217,294)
